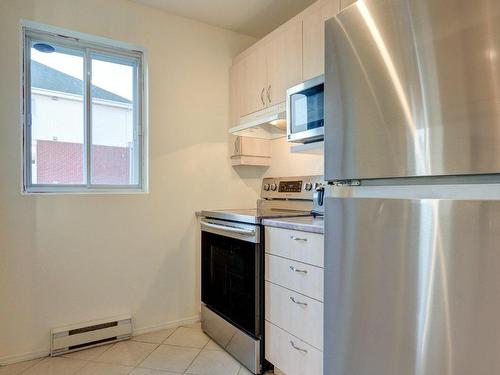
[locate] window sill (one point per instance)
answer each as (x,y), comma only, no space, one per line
(51,191)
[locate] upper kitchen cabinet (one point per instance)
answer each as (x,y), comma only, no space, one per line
(261,75)
(284,61)
(314,18)
(249,84)
(346,3)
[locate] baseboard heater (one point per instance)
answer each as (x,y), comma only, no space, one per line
(89,334)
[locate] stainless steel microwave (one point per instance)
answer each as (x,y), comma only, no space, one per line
(304,111)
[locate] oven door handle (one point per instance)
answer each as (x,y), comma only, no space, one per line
(227,228)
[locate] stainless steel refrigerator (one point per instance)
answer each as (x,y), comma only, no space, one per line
(412,223)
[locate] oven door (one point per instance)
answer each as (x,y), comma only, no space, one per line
(231,273)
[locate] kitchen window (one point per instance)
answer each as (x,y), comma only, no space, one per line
(84,113)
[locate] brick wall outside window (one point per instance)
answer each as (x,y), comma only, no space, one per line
(62,163)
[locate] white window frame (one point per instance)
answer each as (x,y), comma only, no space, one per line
(90,44)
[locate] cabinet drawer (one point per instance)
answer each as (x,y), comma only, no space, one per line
(300,246)
(300,277)
(300,315)
(303,359)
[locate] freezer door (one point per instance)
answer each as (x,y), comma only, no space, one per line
(412,287)
(413,89)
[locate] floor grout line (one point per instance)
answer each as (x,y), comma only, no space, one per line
(33,365)
(175,330)
(97,360)
(157,346)
(197,355)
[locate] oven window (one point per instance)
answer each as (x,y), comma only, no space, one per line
(229,280)
(307,109)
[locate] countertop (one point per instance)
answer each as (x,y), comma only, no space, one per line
(303,223)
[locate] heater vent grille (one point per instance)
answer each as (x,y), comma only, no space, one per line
(92,328)
(89,334)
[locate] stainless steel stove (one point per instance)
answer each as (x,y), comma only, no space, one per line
(280,197)
(232,247)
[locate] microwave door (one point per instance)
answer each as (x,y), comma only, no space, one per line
(305,111)
(299,113)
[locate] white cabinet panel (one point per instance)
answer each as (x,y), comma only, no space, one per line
(300,277)
(291,355)
(300,315)
(300,246)
(314,36)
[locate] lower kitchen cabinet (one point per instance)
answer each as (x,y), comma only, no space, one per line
(294,301)
(297,314)
(301,277)
(303,247)
(291,355)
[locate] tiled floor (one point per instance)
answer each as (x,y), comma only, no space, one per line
(185,350)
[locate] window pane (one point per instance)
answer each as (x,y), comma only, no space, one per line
(115,149)
(57,131)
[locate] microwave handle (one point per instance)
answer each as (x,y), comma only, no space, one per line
(226,228)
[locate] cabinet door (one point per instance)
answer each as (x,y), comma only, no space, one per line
(346,3)
(314,37)
(251,76)
(284,61)
(290,354)
(248,146)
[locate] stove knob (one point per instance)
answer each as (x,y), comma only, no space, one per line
(266,187)
(309,186)
(274,187)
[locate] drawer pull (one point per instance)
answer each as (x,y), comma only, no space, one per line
(298,302)
(297,270)
(297,348)
(298,238)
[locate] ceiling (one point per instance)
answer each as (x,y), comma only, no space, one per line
(251,17)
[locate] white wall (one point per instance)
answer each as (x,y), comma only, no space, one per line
(293,164)
(56,117)
(67,258)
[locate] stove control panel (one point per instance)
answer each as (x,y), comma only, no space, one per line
(290,186)
(302,187)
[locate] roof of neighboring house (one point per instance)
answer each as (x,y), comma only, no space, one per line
(47,78)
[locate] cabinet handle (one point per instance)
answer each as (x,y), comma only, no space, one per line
(297,270)
(237,142)
(262,96)
(298,302)
(298,238)
(269,93)
(297,348)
